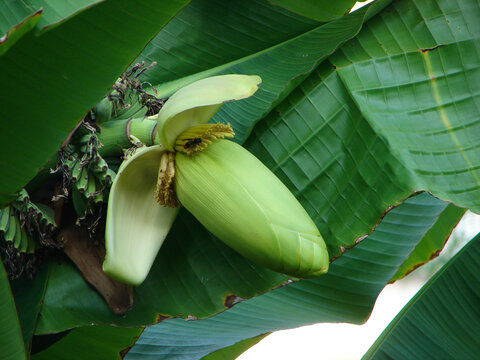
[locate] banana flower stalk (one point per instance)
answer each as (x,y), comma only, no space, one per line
(225,187)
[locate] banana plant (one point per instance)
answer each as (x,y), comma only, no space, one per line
(362,130)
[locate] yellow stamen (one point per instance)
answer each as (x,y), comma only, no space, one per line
(197,138)
(165,193)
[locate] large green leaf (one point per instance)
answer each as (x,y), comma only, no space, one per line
(232,351)
(106,342)
(443,320)
(13,12)
(194,275)
(11,340)
(346,293)
(252,37)
(92,342)
(433,242)
(321,10)
(414,73)
(28,296)
(319,143)
(54,78)
(210,33)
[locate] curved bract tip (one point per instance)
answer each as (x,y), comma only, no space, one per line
(196,103)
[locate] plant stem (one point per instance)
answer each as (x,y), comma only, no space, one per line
(115,135)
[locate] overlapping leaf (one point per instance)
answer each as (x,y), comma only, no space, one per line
(12,34)
(233,351)
(433,242)
(281,134)
(194,275)
(414,73)
(210,38)
(442,320)
(13,12)
(321,10)
(55,77)
(11,340)
(320,144)
(93,342)
(333,141)
(346,294)
(28,295)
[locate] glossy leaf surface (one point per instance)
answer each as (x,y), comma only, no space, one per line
(11,341)
(92,342)
(414,72)
(321,10)
(75,63)
(282,48)
(442,320)
(346,293)
(333,158)
(191,260)
(433,241)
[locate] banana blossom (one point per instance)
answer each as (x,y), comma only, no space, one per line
(225,187)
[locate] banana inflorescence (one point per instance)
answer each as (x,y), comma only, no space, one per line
(224,186)
(24,225)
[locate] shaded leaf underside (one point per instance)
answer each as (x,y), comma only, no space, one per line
(94,342)
(433,241)
(345,294)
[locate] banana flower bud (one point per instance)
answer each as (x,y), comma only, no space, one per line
(224,186)
(245,205)
(136,224)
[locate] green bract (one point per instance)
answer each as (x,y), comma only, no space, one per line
(136,224)
(245,205)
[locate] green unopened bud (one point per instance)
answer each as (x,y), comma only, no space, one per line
(245,205)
